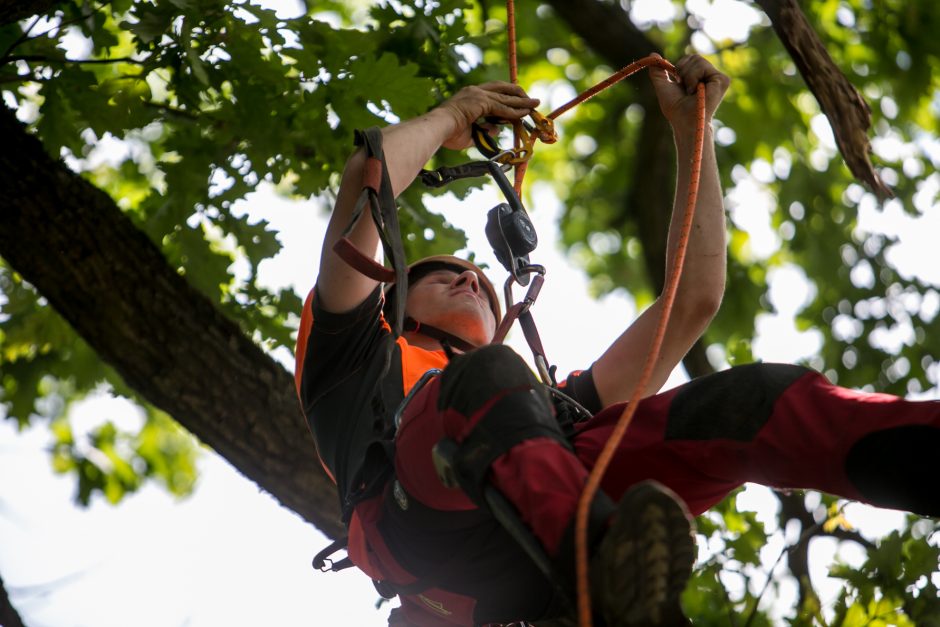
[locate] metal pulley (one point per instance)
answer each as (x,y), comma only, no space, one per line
(509,230)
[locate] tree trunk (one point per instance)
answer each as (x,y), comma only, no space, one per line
(168,342)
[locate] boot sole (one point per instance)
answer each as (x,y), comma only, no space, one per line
(645,560)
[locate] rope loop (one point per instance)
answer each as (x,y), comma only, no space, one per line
(542,128)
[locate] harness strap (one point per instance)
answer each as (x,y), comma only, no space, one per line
(531,333)
(448,174)
(521,311)
(438,334)
(377,192)
(348,252)
(512,314)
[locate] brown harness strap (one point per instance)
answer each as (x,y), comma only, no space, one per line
(377,192)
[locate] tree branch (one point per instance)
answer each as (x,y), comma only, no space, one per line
(45,59)
(606,29)
(167,341)
(848,113)
(792,507)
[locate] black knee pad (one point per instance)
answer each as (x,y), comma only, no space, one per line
(732,404)
(520,415)
(472,379)
(897,468)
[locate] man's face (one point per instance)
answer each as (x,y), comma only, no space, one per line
(454,302)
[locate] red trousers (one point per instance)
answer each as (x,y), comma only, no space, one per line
(702,440)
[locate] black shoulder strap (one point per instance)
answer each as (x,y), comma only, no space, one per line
(438,334)
(385,216)
(377,192)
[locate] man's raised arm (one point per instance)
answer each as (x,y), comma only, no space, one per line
(699,295)
(407,146)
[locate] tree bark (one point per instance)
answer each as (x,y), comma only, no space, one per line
(168,342)
(848,113)
(609,32)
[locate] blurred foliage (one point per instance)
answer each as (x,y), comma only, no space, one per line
(211,99)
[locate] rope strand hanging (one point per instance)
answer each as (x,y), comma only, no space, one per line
(652,356)
(524,141)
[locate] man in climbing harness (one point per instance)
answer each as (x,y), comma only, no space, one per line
(461,499)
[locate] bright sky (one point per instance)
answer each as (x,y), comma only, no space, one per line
(231,556)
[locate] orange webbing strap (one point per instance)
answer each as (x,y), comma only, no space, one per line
(377,193)
(669,295)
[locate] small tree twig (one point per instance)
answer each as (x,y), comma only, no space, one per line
(45,59)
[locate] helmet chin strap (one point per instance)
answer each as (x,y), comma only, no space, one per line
(440,335)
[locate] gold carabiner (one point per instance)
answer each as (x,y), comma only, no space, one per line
(524,135)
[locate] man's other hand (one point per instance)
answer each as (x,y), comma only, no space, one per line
(677,99)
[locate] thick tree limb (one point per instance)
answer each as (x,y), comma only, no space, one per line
(168,342)
(848,113)
(610,33)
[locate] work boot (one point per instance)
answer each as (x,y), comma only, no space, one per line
(644,561)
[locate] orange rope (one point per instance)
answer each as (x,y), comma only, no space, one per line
(614,78)
(511,33)
(545,132)
(524,143)
(519,172)
(623,423)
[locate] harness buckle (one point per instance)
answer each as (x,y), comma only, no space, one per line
(323,562)
(427,376)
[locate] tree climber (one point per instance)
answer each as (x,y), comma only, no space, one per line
(447,550)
